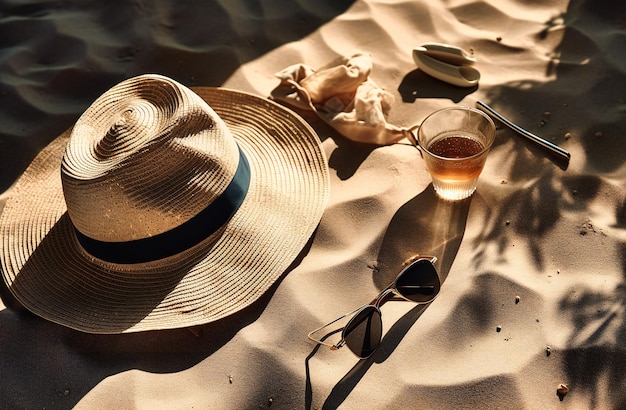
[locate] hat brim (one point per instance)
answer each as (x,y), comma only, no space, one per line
(47,271)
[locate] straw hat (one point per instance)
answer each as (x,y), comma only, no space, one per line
(166,212)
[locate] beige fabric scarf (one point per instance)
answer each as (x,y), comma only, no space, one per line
(344,96)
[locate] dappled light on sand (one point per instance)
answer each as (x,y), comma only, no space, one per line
(533,265)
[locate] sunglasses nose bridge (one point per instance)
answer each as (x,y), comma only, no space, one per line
(385,296)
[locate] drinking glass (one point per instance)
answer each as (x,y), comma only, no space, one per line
(454,143)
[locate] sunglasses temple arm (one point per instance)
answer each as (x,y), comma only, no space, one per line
(340,343)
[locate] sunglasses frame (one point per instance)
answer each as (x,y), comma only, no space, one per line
(389,293)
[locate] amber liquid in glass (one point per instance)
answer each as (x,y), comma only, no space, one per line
(457,146)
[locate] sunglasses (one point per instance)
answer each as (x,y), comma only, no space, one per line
(418,282)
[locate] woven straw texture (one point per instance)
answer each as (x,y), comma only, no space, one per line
(48,272)
(146,156)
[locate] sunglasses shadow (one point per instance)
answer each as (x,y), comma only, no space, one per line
(425,225)
(344,387)
(308,393)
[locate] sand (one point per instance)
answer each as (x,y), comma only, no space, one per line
(534,265)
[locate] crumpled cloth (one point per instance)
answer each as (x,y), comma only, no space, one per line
(342,94)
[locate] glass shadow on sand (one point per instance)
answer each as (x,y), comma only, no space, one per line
(425,225)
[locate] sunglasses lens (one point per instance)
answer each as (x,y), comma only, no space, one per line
(419,282)
(363,332)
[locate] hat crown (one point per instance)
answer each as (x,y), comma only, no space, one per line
(147,156)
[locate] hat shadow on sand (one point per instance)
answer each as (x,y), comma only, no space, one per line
(50,368)
(48,363)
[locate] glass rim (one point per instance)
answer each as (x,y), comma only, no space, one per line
(457,108)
